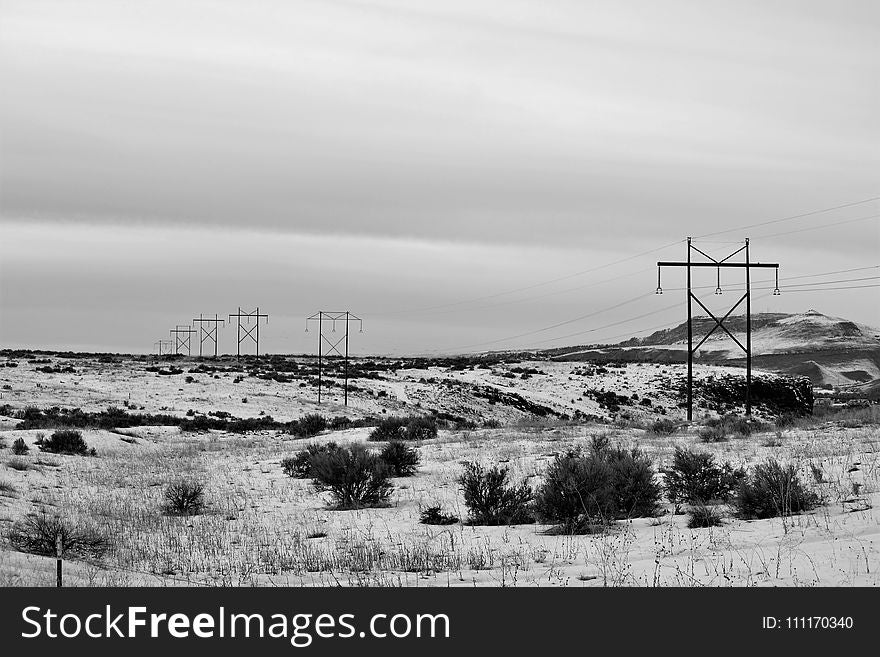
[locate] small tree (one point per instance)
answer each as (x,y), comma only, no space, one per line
(354,477)
(184,498)
(401,459)
(491,500)
(39,534)
(19,447)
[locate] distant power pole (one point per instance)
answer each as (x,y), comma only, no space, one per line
(719,323)
(164,346)
(333,346)
(209,333)
(182,342)
(252,332)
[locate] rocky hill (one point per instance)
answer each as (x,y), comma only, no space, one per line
(831,351)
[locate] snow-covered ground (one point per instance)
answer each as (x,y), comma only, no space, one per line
(264,528)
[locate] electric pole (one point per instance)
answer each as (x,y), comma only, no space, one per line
(343,317)
(210,333)
(252,332)
(719,323)
(182,342)
(164,346)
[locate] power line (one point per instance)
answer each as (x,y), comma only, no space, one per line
(570,321)
(821,226)
(790,218)
(846,287)
(550,294)
(620,261)
(534,285)
(558,324)
(841,280)
(598,328)
(784,287)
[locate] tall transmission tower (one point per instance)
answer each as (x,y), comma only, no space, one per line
(719,323)
(344,317)
(182,338)
(164,346)
(209,333)
(252,332)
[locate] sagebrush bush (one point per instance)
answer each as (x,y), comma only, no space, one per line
(584,489)
(354,477)
(39,533)
(701,516)
(299,466)
(772,489)
(405,428)
(713,434)
(695,477)
(308,425)
(491,500)
(390,428)
(662,427)
(421,428)
(19,447)
(67,441)
(729,426)
(434,515)
(184,498)
(401,459)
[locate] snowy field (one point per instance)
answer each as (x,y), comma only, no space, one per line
(264,528)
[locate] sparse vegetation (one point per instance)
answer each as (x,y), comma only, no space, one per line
(21,465)
(67,441)
(663,427)
(184,498)
(695,478)
(729,426)
(354,477)
(584,489)
(412,427)
(491,499)
(401,459)
(771,490)
(434,515)
(39,534)
(308,425)
(299,466)
(702,515)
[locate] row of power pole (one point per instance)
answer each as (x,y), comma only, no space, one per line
(248,329)
(209,334)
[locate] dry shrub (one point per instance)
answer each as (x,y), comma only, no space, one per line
(491,500)
(39,533)
(354,477)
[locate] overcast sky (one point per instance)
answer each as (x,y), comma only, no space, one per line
(429,165)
